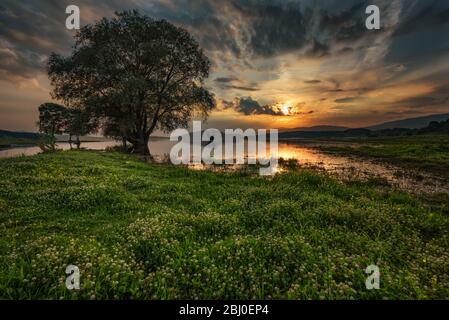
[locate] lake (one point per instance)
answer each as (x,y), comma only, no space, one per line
(346,168)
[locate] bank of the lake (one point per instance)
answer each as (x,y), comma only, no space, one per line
(318,155)
(137,230)
(423,152)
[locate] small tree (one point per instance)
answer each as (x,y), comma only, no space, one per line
(80,122)
(150,70)
(52,121)
(118,125)
(118,130)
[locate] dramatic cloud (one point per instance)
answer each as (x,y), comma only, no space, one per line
(316,53)
(226,80)
(248,106)
(348,100)
(227,83)
(312,81)
(424,15)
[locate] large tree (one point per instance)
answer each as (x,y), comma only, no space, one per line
(149,70)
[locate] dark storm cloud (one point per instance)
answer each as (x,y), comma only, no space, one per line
(244,29)
(248,106)
(17,63)
(345,25)
(234,83)
(226,80)
(29,31)
(422,102)
(318,49)
(271,27)
(312,81)
(32,29)
(351,91)
(348,100)
(243,88)
(248,38)
(425,15)
(278,26)
(422,33)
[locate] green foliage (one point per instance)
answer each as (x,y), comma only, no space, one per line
(429,152)
(52,121)
(160,232)
(56,119)
(52,118)
(137,73)
(80,122)
(47,143)
(436,127)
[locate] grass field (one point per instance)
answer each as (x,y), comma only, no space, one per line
(429,152)
(140,231)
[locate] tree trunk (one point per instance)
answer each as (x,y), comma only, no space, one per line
(70,141)
(141,146)
(124,145)
(53,138)
(78,142)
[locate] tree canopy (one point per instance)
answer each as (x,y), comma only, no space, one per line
(80,122)
(52,121)
(57,119)
(52,118)
(137,73)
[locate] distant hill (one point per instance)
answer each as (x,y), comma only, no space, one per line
(19,135)
(436,128)
(324,134)
(9,139)
(412,123)
(316,129)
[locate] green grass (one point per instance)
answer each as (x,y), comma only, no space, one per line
(421,151)
(160,232)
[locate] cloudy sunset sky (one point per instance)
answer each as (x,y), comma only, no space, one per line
(278,64)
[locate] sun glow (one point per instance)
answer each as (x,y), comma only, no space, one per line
(285,109)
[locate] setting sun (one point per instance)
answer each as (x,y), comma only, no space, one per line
(285,109)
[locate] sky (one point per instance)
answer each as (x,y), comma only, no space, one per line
(275,63)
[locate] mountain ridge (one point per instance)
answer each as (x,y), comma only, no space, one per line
(410,123)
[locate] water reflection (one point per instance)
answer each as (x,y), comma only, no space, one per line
(30,151)
(341,167)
